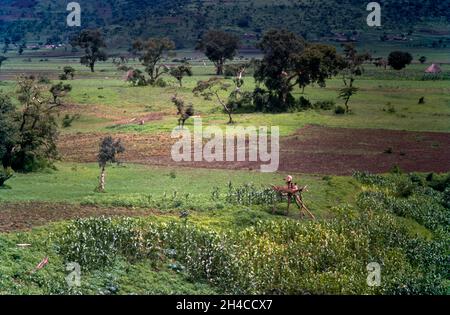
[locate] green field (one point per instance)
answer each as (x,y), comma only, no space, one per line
(249,245)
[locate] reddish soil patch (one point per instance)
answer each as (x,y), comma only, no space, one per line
(312,150)
(142,120)
(24,216)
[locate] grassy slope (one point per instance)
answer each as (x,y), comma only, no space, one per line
(76,182)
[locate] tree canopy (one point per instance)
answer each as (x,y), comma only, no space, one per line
(398,60)
(150,53)
(219,47)
(92,42)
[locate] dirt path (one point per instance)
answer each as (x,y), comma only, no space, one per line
(312,150)
(24,216)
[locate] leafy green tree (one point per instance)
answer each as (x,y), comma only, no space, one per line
(179,72)
(213,88)
(59,90)
(277,69)
(8,135)
(398,60)
(92,42)
(219,47)
(289,62)
(352,67)
(316,64)
(423,59)
(150,53)
(28,137)
(108,151)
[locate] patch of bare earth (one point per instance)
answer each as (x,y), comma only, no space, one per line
(312,150)
(24,216)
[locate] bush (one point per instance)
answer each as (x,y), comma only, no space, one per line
(161,83)
(325,105)
(339,110)
(68,120)
(5,175)
(303,104)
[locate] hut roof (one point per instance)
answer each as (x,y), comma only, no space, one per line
(434,68)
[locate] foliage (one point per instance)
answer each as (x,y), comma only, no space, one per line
(150,53)
(352,67)
(398,60)
(59,90)
(136,77)
(108,151)
(289,62)
(212,88)
(284,257)
(184,112)
(180,71)
(69,119)
(219,46)
(30,135)
(69,71)
(92,42)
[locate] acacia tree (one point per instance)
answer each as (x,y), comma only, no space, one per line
(92,42)
(212,88)
(150,53)
(108,151)
(179,72)
(219,47)
(352,67)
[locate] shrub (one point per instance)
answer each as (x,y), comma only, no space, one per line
(303,104)
(4,176)
(339,110)
(161,83)
(325,105)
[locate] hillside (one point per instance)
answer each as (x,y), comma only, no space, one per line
(185,20)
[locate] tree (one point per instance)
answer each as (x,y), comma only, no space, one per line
(423,59)
(69,71)
(183,111)
(316,64)
(8,135)
(28,136)
(219,46)
(2,59)
(352,67)
(398,60)
(289,62)
(212,88)
(151,53)
(108,151)
(59,90)
(92,42)
(276,70)
(179,72)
